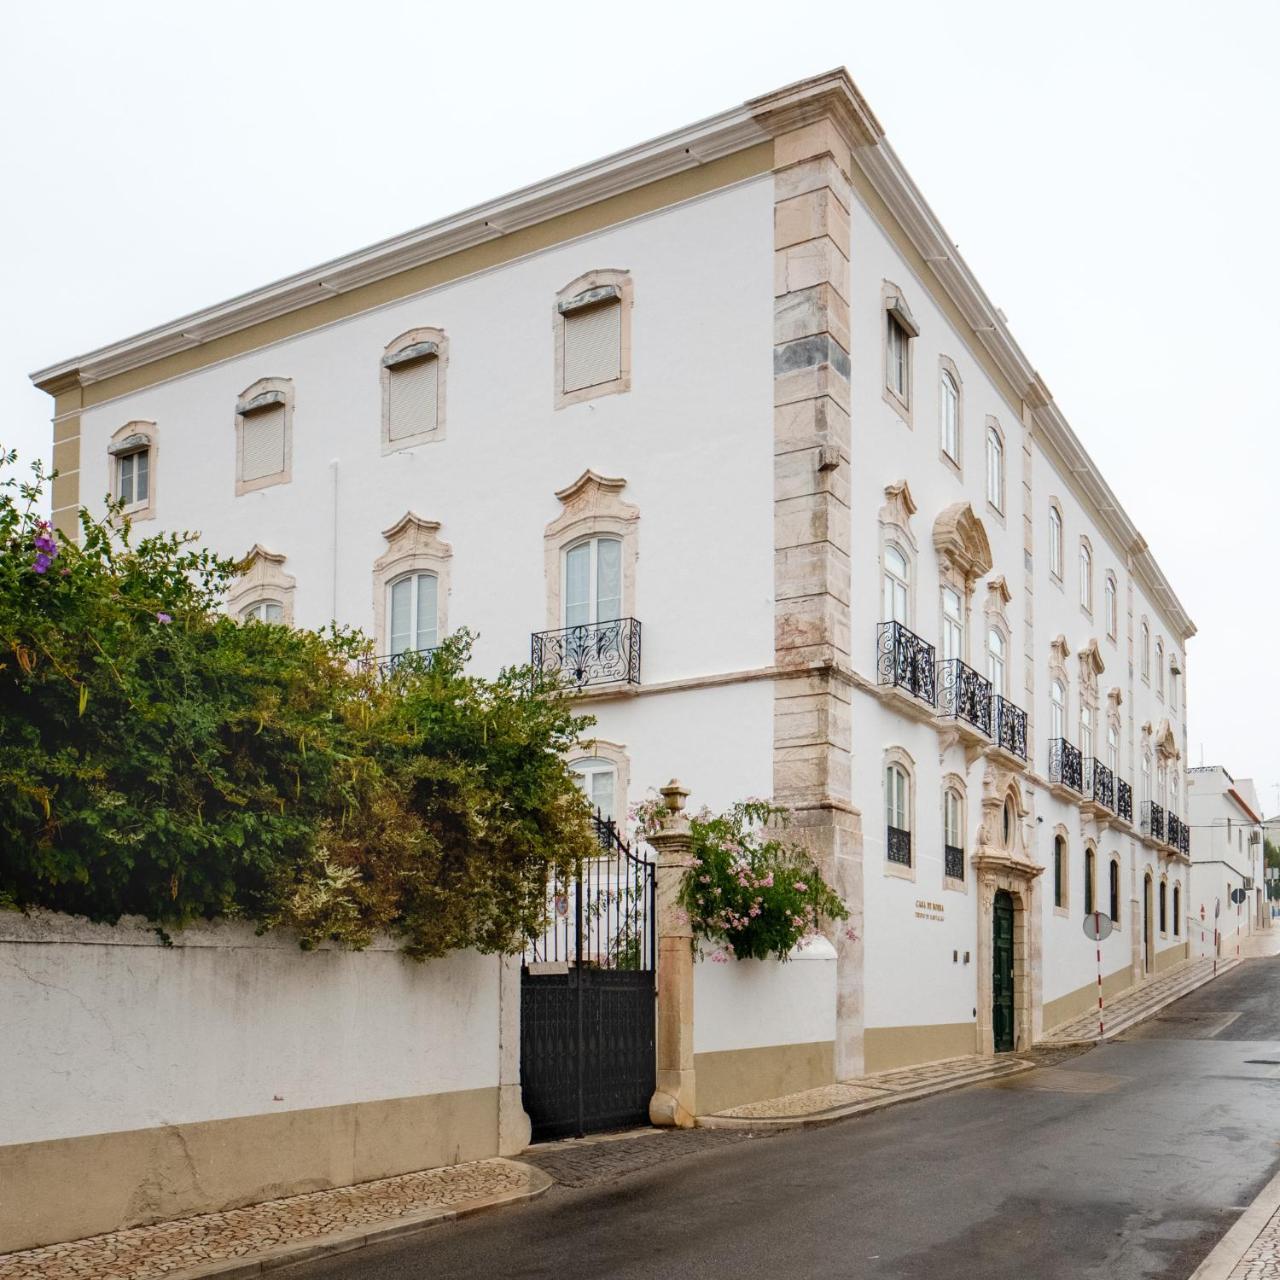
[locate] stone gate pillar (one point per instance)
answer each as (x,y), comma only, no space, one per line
(673,1102)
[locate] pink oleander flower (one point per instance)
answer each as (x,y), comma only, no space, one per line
(163,617)
(719,957)
(801,887)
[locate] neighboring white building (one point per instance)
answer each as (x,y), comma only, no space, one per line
(734,390)
(1226,854)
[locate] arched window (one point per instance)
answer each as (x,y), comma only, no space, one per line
(264,435)
(952,624)
(1164,907)
(133,464)
(1059,871)
(1088,882)
(995,468)
(950,416)
(1055,542)
(598,781)
(897,584)
(592,322)
(1109,597)
(1160,666)
(1177,910)
(1144,650)
(953,833)
(1113,749)
(1146,777)
(412,373)
(1115,890)
(1162,784)
(593,581)
(413,608)
(897,800)
(1086,576)
(1086,729)
(996,660)
(1057,709)
(1008,822)
(263,611)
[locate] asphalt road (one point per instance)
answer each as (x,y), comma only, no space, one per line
(1129,1161)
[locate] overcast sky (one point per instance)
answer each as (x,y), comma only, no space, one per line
(1109,170)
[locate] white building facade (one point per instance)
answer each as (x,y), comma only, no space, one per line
(1227,860)
(724,427)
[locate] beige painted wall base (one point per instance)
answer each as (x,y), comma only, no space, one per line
(1170,956)
(74,1187)
(889,1047)
(1082,999)
(734,1077)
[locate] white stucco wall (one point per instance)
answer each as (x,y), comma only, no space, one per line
(753,1004)
(107,1029)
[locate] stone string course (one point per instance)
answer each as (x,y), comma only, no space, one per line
(143,1253)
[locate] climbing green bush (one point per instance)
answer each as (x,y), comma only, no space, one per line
(159,759)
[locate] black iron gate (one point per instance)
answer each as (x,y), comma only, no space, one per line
(587,998)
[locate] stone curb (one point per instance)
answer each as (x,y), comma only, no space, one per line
(832,1114)
(307,1250)
(1225,1256)
(1139,1015)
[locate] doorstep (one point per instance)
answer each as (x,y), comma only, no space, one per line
(865,1093)
(260,1237)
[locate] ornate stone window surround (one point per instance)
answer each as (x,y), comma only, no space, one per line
(1084,560)
(139,436)
(997,619)
(594,288)
(1176,909)
(616,754)
(411,346)
(262,577)
(953,782)
(993,428)
(1091,667)
(1111,621)
(1058,671)
(895,531)
(947,368)
(1063,908)
(1162,906)
(1160,667)
(964,556)
(591,506)
(895,311)
(1116,907)
(413,546)
(903,759)
(258,394)
(1091,873)
(1144,649)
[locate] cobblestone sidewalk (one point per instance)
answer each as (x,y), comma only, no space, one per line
(1124,1011)
(588,1162)
(1261,1260)
(277,1231)
(866,1093)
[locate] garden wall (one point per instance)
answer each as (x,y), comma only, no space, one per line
(764,1028)
(143,1081)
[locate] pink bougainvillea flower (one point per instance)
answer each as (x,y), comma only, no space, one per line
(163,617)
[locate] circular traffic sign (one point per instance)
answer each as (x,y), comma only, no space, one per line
(1097,926)
(1238,896)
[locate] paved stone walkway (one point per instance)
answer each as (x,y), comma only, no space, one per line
(866,1093)
(1121,1012)
(171,1248)
(589,1162)
(1261,1260)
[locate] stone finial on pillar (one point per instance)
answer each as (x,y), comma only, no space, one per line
(673,1102)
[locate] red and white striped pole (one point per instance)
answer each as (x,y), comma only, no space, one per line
(1097,933)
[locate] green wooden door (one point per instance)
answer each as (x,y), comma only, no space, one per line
(1002,971)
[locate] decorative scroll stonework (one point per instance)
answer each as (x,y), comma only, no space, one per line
(591,505)
(413,546)
(962,544)
(899,507)
(1091,665)
(262,577)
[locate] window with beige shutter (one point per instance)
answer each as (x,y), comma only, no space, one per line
(263,445)
(263,431)
(593,345)
(412,393)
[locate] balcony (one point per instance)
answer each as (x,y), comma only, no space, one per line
(1184,842)
(1152,820)
(591,653)
(904,661)
(388,663)
(1124,800)
(898,846)
(1099,784)
(1009,727)
(952,862)
(964,696)
(1066,768)
(1173,830)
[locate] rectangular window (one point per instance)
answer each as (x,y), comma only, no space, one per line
(262,443)
(995,470)
(896,358)
(593,346)
(133,478)
(412,393)
(952,625)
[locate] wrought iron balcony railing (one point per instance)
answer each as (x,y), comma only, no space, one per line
(1173,830)
(1009,726)
(898,846)
(1124,800)
(953,862)
(386,663)
(1099,783)
(905,661)
(1184,843)
(591,652)
(964,695)
(1065,764)
(1152,820)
